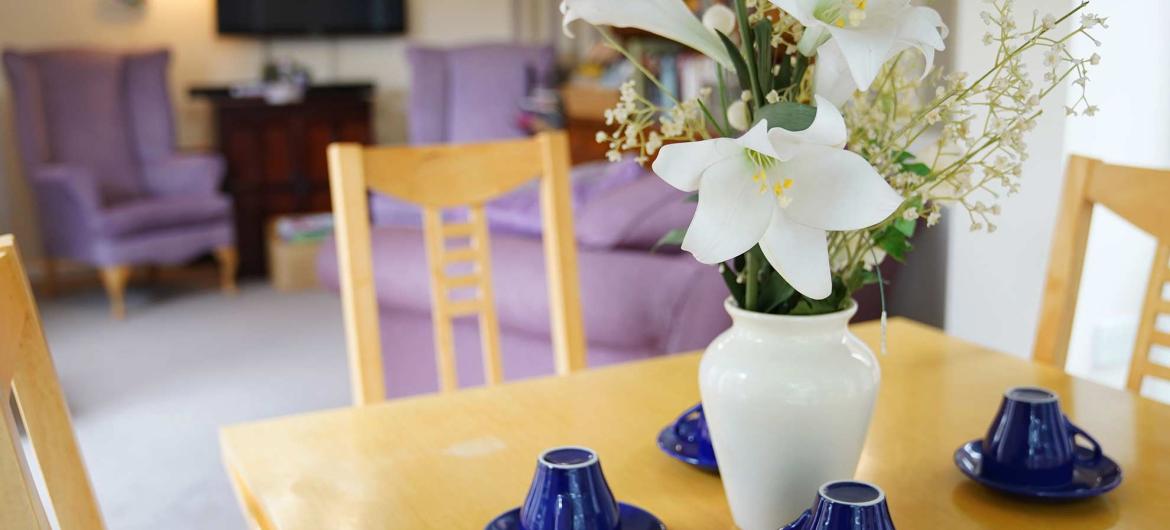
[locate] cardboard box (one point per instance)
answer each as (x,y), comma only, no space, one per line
(292,265)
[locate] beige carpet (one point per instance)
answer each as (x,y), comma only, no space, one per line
(148,394)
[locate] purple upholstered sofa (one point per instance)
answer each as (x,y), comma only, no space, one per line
(97,143)
(636,303)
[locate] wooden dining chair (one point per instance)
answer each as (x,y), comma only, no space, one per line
(1141,196)
(440,177)
(26,369)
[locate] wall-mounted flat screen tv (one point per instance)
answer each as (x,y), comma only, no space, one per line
(311,17)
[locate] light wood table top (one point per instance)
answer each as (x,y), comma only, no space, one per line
(456,461)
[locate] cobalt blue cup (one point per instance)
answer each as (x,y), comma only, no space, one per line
(847,505)
(569,492)
(1031,442)
(691,428)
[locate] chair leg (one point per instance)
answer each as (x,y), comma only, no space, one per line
(49,277)
(114,279)
(229,262)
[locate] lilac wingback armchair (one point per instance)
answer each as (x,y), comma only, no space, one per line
(636,303)
(96,138)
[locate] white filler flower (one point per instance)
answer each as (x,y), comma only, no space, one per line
(854,38)
(781,189)
(667,18)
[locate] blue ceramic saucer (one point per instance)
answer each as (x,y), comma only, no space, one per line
(632,518)
(800,522)
(693,448)
(1089,478)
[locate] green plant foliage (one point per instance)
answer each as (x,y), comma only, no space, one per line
(788,115)
(672,238)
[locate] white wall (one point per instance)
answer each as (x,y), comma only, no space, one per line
(994,281)
(201,56)
(1133,128)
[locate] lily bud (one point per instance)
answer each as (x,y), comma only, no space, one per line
(737,115)
(719,18)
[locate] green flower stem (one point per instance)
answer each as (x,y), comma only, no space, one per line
(613,43)
(751,280)
(722,95)
(746,40)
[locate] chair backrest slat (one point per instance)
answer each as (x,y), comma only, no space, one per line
(439,177)
(1136,194)
(26,371)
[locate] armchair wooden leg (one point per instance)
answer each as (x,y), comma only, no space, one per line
(114,279)
(229,262)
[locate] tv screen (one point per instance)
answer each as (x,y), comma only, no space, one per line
(310,17)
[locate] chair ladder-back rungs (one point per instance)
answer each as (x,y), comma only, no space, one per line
(489,326)
(1147,333)
(441,317)
(1158,371)
(461,281)
(462,308)
(457,230)
(467,176)
(451,256)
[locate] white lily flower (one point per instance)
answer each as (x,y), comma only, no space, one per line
(667,18)
(781,189)
(854,38)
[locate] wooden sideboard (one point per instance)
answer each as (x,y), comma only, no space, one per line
(276,154)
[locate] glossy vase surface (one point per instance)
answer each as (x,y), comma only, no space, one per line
(788,401)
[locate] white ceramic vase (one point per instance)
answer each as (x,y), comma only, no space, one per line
(788,401)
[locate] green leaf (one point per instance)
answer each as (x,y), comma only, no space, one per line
(784,78)
(799,69)
(672,238)
(836,301)
(788,115)
(910,163)
(741,68)
(763,31)
(906,226)
(694,197)
(774,291)
(894,242)
(736,289)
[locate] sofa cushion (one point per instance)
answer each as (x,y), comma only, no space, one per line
(145,215)
(634,215)
(518,212)
(408,353)
(630,300)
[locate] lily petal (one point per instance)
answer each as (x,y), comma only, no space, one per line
(757,139)
(835,189)
(831,77)
(800,254)
(827,128)
(865,48)
(682,165)
(667,18)
(924,29)
(801,10)
(732,213)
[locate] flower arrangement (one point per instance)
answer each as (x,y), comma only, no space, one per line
(831,133)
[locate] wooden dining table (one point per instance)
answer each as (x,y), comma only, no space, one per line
(454,461)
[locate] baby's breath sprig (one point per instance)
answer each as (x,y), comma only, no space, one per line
(642,126)
(976,129)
